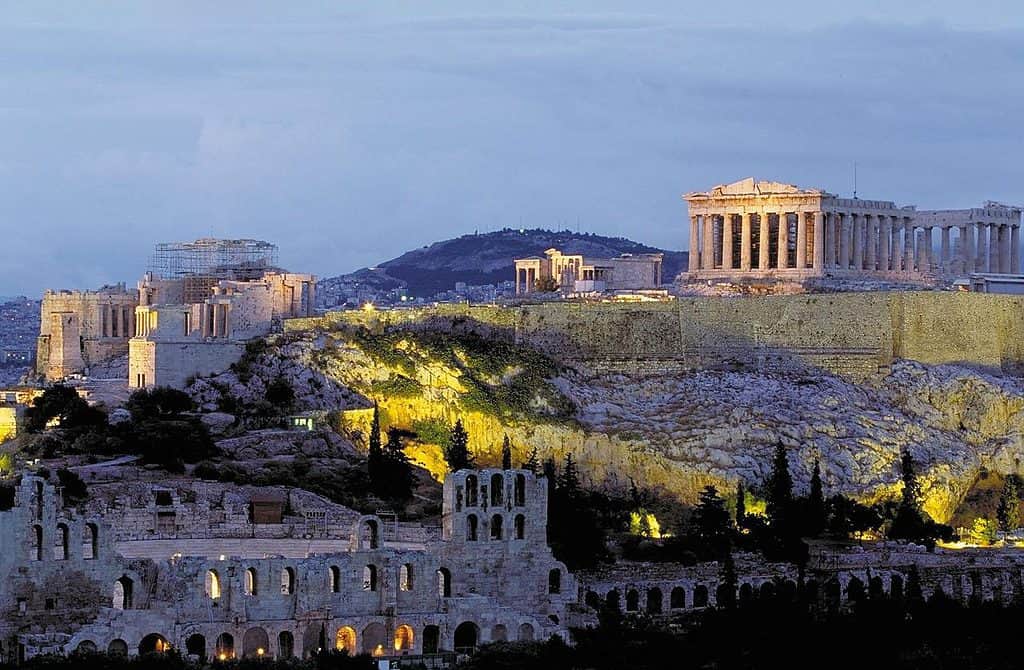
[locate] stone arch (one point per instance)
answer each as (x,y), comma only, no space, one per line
(876,589)
(632,600)
(472,488)
(287,581)
(255,643)
(154,643)
(60,547)
(252,582)
(334,579)
(86,647)
(592,600)
(444,583)
(37,543)
(123,596)
(375,639)
(499,633)
(467,636)
(526,632)
(117,647)
(472,527)
(766,591)
(613,599)
(406,577)
(212,585)
(195,645)
(554,581)
(700,596)
(519,495)
(520,525)
(370,577)
(431,639)
(855,590)
(367,533)
(497,487)
(746,594)
(91,542)
(285,645)
(224,649)
(677,598)
(496,530)
(405,638)
(654,600)
(345,639)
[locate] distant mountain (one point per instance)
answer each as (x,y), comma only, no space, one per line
(486,258)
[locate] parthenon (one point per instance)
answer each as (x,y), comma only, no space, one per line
(770,229)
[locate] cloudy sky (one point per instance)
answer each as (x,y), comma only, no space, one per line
(349,132)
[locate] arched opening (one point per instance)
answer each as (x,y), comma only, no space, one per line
(654,600)
(613,599)
(632,600)
(496,527)
(91,542)
(255,643)
(520,490)
(371,534)
(117,647)
(592,600)
(497,486)
(375,639)
(288,581)
(60,549)
(212,585)
(471,527)
(405,577)
(404,638)
(526,632)
(195,645)
(154,643)
(431,639)
(37,543)
(876,589)
(833,593)
(370,578)
(345,639)
(225,648)
(855,590)
(86,647)
(938,595)
(555,581)
(123,593)
(499,633)
(746,595)
(334,579)
(471,490)
(767,591)
(251,582)
(520,527)
(677,598)
(896,587)
(285,645)
(700,596)
(467,634)
(725,596)
(444,583)
(810,594)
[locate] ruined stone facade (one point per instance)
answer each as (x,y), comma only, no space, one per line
(572,273)
(764,229)
(176,567)
(82,328)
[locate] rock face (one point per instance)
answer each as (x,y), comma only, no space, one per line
(269,444)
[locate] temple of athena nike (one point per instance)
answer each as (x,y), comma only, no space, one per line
(765,229)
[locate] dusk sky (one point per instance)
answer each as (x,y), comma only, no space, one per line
(348,133)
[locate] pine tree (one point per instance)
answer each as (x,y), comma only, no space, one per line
(397,478)
(569,481)
(727,586)
(780,490)
(531,463)
(816,518)
(375,457)
(457,454)
(741,505)
(1008,511)
(911,487)
(711,518)
(506,454)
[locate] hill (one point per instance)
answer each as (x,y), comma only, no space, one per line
(486,258)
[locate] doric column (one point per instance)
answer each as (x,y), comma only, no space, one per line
(745,255)
(858,241)
(707,255)
(819,241)
(830,240)
(783,251)
(896,244)
(801,241)
(694,261)
(908,244)
(844,241)
(924,250)
(981,248)
(1015,249)
(727,241)
(763,243)
(884,240)
(967,248)
(993,248)
(944,250)
(871,235)
(1004,248)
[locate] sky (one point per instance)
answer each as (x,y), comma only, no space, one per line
(348,133)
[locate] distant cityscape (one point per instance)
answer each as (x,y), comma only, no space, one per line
(19,328)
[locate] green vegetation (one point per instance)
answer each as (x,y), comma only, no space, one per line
(910,522)
(457,453)
(388,468)
(62,405)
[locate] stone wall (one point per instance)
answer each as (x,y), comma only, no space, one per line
(173,363)
(80,328)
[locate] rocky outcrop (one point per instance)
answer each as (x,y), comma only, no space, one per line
(269,444)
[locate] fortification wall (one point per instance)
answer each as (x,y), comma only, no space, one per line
(853,334)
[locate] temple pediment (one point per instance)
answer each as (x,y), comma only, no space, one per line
(750,186)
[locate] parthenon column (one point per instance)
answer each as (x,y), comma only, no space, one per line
(801,240)
(707,256)
(1015,249)
(924,250)
(763,243)
(819,241)
(871,232)
(694,260)
(896,237)
(884,239)
(783,251)
(944,250)
(967,248)
(830,240)
(908,241)
(727,241)
(858,241)
(1004,248)
(993,248)
(844,241)
(745,227)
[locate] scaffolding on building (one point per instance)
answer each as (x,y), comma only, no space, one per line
(204,262)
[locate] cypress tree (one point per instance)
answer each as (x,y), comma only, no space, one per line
(531,463)
(780,490)
(506,454)
(457,454)
(911,500)
(816,518)
(727,586)
(569,481)
(741,505)
(1008,511)
(375,457)
(711,517)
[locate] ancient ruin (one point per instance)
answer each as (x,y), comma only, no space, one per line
(572,274)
